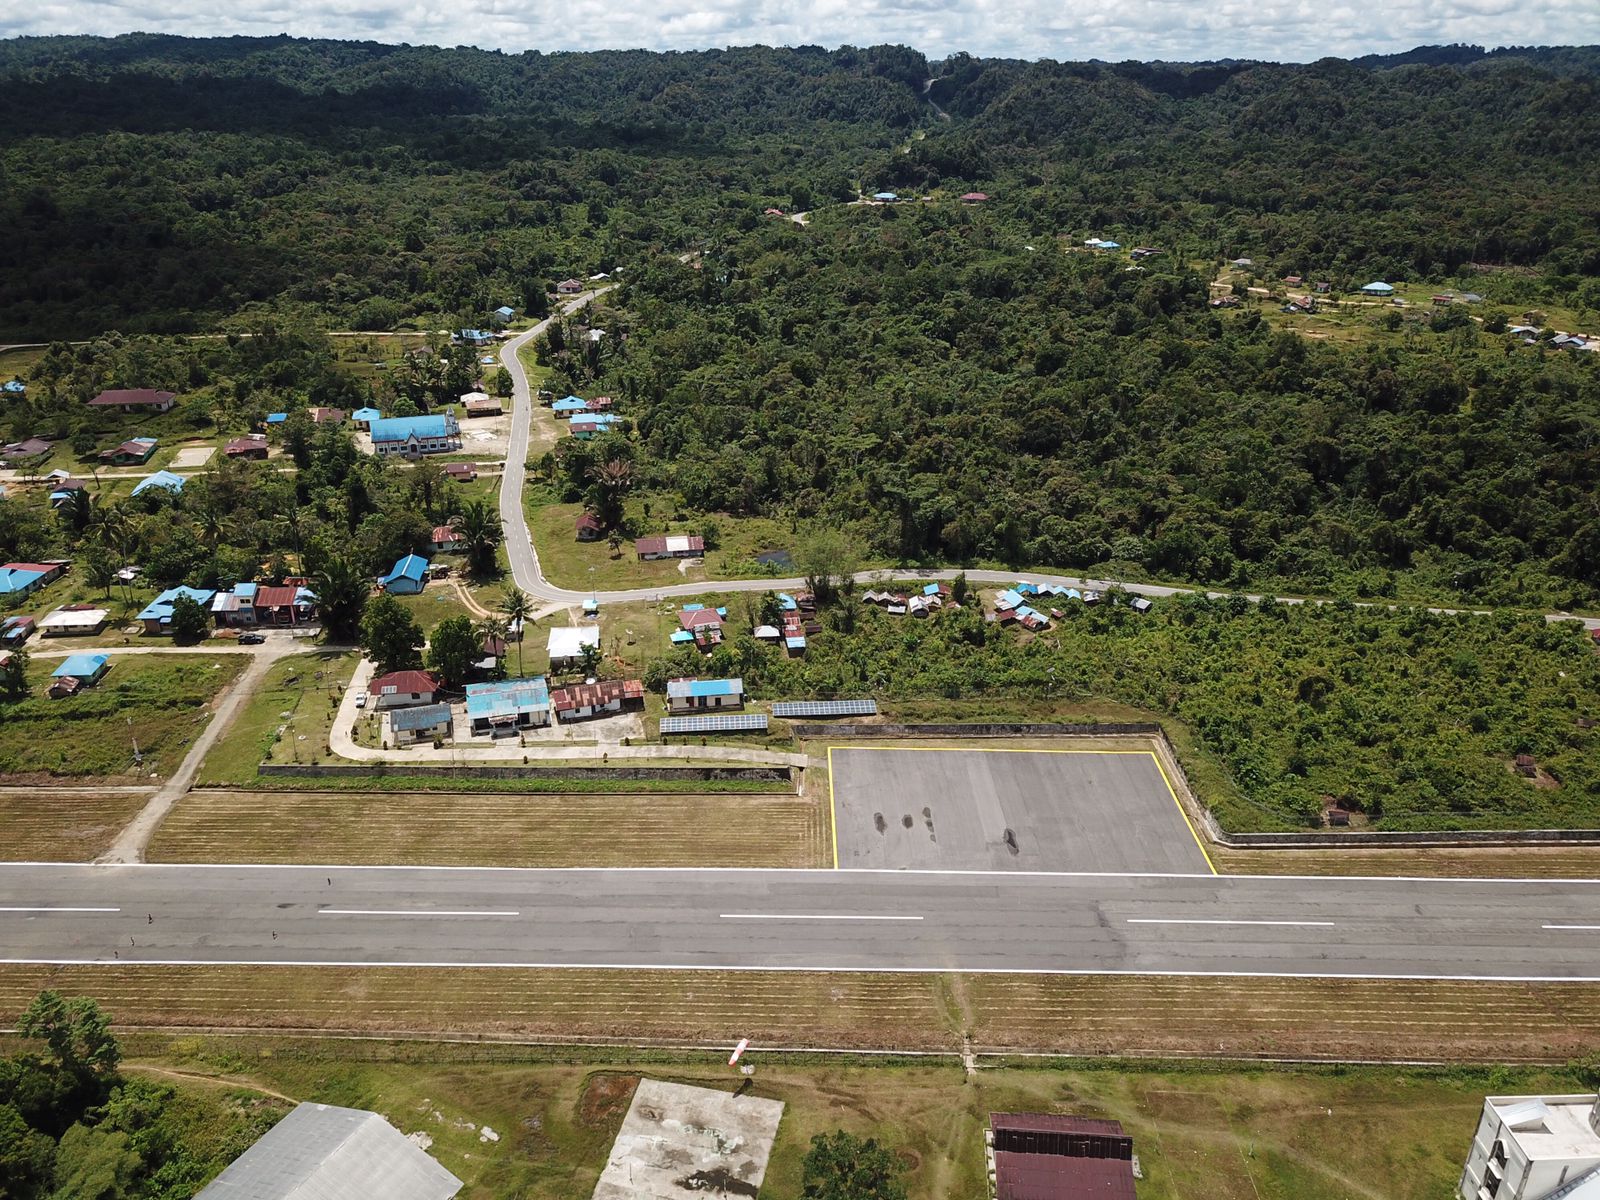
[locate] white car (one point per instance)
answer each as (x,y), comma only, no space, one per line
(361,700)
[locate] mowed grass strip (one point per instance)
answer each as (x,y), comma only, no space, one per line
(162,700)
(1478,862)
(298,696)
(1288,1018)
(486,829)
(44,826)
(777,1007)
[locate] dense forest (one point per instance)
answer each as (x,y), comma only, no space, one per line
(74,1126)
(155,182)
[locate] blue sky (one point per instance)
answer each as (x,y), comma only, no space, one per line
(1283,30)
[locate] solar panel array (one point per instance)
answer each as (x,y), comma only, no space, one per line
(825,708)
(725,723)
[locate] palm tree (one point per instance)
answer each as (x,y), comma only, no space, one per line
(517,608)
(492,629)
(479,527)
(611,480)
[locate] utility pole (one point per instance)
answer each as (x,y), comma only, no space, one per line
(138,758)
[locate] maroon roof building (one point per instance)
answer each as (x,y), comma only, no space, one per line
(134,400)
(1046,1156)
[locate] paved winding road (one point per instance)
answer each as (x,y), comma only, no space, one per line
(802,920)
(529,576)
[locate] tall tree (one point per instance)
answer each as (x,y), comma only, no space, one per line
(14,675)
(342,589)
(190,622)
(390,634)
(453,647)
(518,608)
(481,534)
(841,1166)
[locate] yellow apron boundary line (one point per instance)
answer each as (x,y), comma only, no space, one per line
(1193,832)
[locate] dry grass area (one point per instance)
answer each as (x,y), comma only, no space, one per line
(779,1008)
(1488,862)
(1291,1018)
(46,826)
(496,829)
(1085,1016)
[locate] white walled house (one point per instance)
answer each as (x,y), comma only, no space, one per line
(1534,1148)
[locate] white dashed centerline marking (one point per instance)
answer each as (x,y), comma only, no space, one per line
(1184,920)
(418,912)
(811,917)
(60,908)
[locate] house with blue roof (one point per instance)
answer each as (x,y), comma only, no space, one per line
(277,418)
(17,579)
(167,480)
(502,708)
(1378,288)
(14,387)
(157,615)
(474,337)
(568,405)
(87,667)
(696,695)
(407,577)
(885,197)
(364,417)
(504,313)
(423,723)
(412,437)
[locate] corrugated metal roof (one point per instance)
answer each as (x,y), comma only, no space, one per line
(1055,1123)
(424,716)
(320,1152)
(705,687)
(1056,1177)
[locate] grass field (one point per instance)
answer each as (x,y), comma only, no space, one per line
(45,826)
(160,700)
(1215,1132)
(726,830)
(299,696)
(1083,1015)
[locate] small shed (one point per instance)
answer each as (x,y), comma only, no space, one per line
(424,723)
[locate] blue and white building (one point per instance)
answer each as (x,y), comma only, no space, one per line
(407,577)
(412,437)
(697,695)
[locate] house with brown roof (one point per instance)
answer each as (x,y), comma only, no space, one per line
(131,453)
(675,545)
(251,446)
(479,404)
(703,625)
(1048,1156)
(580,701)
(399,689)
(588,528)
(326,416)
(570,287)
(446,539)
(28,448)
(461,472)
(135,400)
(285,604)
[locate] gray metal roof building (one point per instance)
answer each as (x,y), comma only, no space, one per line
(320,1152)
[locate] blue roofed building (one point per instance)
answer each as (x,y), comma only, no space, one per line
(423,723)
(166,480)
(474,337)
(412,437)
(157,615)
(502,708)
(693,695)
(364,417)
(13,387)
(504,313)
(18,579)
(87,667)
(277,418)
(885,197)
(1378,288)
(568,405)
(407,577)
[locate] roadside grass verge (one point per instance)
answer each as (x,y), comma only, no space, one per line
(519,830)
(160,700)
(299,696)
(1199,1129)
(45,826)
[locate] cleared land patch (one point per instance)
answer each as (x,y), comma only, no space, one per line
(999,808)
(45,826)
(495,829)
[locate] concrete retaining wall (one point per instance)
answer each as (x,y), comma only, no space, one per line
(1130,728)
(784,775)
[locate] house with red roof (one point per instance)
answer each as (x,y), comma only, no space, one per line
(135,400)
(251,446)
(400,689)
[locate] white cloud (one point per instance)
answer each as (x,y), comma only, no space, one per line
(1284,30)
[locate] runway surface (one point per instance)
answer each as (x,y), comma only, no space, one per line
(802,920)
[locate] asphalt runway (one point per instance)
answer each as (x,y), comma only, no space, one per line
(998,810)
(1530,930)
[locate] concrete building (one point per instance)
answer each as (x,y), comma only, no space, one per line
(401,689)
(319,1150)
(673,545)
(1534,1148)
(581,701)
(503,708)
(566,643)
(693,695)
(157,615)
(412,437)
(73,620)
(424,723)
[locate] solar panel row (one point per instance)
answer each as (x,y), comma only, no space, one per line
(730,723)
(824,708)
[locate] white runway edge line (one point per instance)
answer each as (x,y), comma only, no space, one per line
(810,917)
(1569,927)
(418,912)
(1186,920)
(60,908)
